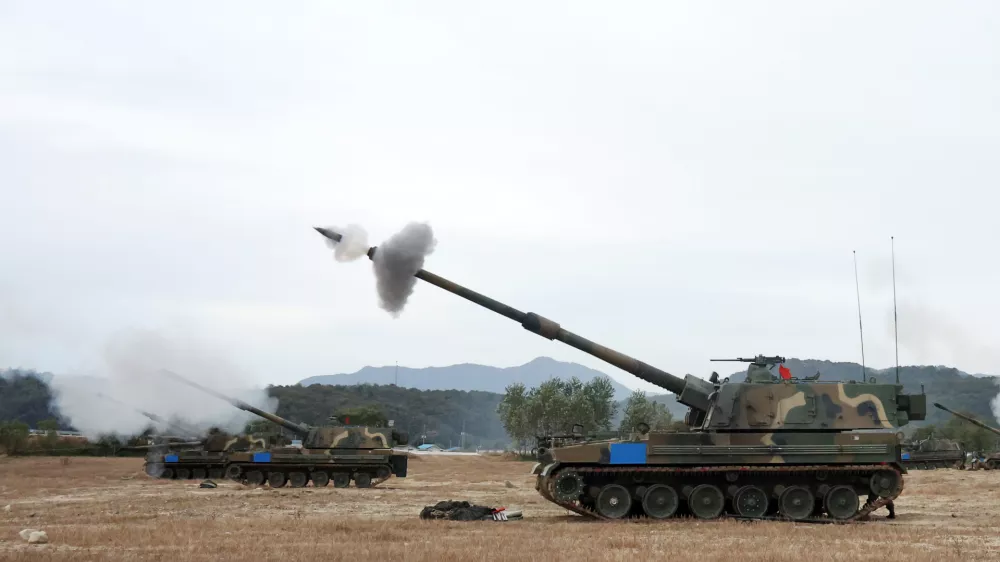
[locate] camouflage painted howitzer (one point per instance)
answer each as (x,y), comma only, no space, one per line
(205,460)
(932,453)
(337,453)
(757,448)
(990,462)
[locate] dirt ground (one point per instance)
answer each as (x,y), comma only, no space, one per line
(108,509)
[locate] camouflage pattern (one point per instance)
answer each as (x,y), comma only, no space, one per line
(765,447)
(930,453)
(337,453)
(978,461)
(206,459)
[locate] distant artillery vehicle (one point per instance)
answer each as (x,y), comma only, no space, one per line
(201,459)
(337,453)
(932,453)
(759,448)
(991,461)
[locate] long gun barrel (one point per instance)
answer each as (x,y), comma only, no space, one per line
(691,391)
(971,420)
(289,425)
(164,445)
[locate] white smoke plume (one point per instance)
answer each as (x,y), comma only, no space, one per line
(353,243)
(396,260)
(134,360)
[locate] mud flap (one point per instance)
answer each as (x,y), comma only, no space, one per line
(398,463)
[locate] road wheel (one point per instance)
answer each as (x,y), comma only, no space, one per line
(660,501)
(750,501)
(842,502)
(362,480)
(276,479)
(706,501)
(298,479)
(341,480)
(319,479)
(614,501)
(796,502)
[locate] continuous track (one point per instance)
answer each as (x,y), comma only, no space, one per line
(814,476)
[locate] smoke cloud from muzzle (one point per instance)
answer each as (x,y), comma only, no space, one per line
(395,261)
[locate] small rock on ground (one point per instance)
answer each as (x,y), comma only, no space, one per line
(27,533)
(38,537)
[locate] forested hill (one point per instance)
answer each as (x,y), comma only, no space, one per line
(438,414)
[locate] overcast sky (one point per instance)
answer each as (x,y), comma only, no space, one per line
(679,181)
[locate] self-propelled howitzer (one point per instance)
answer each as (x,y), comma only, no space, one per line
(340,453)
(756,448)
(990,462)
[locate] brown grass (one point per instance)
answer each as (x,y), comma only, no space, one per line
(107,509)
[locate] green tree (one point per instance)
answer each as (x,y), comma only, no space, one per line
(640,409)
(513,414)
(13,436)
(362,415)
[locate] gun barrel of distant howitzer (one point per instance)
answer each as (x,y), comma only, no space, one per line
(184,430)
(165,445)
(291,426)
(971,420)
(551,330)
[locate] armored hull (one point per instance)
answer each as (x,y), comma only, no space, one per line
(365,467)
(339,453)
(931,454)
(764,447)
(207,460)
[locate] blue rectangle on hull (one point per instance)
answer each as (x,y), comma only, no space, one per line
(262,457)
(628,453)
(906,456)
(170,458)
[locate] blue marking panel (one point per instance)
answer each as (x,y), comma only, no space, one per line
(262,457)
(170,458)
(905,456)
(628,453)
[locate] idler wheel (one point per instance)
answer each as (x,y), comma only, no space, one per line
(276,479)
(796,502)
(341,480)
(298,479)
(319,479)
(199,474)
(706,501)
(614,501)
(884,483)
(660,502)
(255,478)
(841,502)
(568,486)
(362,480)
(750,501)
(183,474)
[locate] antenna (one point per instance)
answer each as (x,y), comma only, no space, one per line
(857,288)
(396,381)
(895,330)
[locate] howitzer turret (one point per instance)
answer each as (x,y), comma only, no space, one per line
(338,453)
(969,419)
(807,444)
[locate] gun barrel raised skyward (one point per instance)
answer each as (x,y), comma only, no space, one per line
(971,420)
(289,425)
(691,391)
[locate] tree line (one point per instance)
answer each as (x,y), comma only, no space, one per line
(558,406)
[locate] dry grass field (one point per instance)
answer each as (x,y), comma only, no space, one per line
(107,509)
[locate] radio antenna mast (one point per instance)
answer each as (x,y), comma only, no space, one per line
(895,330)
(861,328)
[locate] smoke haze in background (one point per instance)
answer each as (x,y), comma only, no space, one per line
(133,360)
(927,334)
(397,260)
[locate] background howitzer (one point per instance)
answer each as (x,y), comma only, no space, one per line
(757,448)
(338,453)
(989,462)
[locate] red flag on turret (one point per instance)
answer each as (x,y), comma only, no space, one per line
(784,372)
